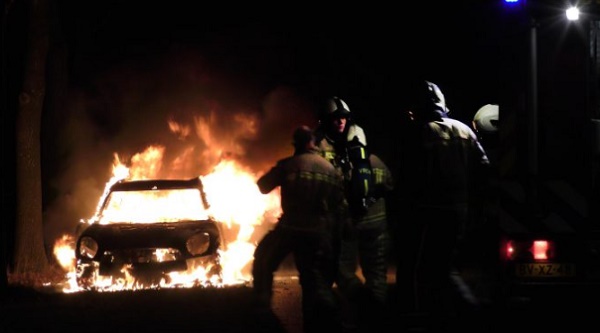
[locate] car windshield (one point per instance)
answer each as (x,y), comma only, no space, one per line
(151,206)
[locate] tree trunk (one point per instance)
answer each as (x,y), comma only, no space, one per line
(6,117)
(30,253)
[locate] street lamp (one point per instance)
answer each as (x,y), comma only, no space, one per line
(533,112)
(572,13)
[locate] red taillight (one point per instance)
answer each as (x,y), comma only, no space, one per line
(538,250)
(509,250)
(541,250)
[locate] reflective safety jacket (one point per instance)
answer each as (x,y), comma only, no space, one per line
(444,164)
(375,216)
(336,151)
(349,155)
(312,192)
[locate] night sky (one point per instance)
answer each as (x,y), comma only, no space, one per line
(360,52)
(122,69)
(238,56)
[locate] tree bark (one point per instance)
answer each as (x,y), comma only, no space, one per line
(30,253)
(5,138)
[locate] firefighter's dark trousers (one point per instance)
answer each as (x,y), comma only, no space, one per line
(314,260)
(369,249)
(364,303)
(426,259)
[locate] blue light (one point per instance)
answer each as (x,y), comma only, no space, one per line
(514,3)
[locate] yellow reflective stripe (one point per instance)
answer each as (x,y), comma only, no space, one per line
(366,186)
(329,155)
(373,217)
(320,177)
(378,175)
(362,153)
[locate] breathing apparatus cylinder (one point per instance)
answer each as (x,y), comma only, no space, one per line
(361,179)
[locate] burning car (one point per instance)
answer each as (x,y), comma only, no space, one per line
(146,230)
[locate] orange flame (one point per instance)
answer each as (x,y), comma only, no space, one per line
(64,253)
(234,200)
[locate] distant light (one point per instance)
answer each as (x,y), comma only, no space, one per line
(573,14)
(513,3)
(509,250)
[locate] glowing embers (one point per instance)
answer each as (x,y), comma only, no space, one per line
(148,272)
(145,256)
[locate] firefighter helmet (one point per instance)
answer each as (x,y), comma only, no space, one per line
(334,107)
(423,99)
(486,119)
(437,97)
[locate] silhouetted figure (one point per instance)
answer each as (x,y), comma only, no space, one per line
(365,243)
(440,164)
(343,143)
(313,206)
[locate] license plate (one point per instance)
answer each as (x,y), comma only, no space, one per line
(545,270)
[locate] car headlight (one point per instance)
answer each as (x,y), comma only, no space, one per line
(198,244)
(88,247)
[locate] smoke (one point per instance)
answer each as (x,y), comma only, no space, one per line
(177,101)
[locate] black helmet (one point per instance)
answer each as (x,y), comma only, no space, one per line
(424,99)
(334,107)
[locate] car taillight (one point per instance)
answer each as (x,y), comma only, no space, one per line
(536,250)
(509,250)
(540,249)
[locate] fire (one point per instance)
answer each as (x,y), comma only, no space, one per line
(234,200)
(120,171)
(63,251)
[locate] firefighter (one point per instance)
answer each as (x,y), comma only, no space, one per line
(483,235)
(367,244)
(366,241)
(486,124)
(313,207)
(441,164)
(343,143)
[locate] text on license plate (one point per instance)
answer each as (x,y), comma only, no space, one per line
(545,270)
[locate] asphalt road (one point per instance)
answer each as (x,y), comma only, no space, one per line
(231,310)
